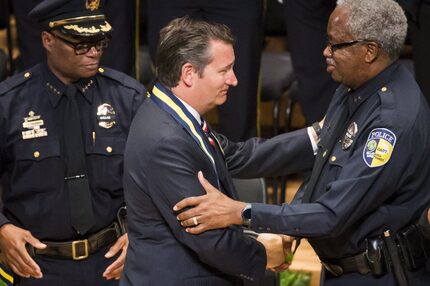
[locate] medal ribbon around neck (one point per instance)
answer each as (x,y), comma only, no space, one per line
(169,103)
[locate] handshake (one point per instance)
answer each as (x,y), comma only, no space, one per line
(278,250)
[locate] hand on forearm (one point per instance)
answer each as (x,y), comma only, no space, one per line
(211,211)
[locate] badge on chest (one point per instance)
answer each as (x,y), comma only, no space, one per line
(106,115)
(349,137)
(33,123)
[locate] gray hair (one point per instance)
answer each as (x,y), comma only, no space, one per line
(185,40)
(382,21)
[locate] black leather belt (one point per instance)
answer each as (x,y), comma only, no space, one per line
(79,249)
(411,247)
(357,263)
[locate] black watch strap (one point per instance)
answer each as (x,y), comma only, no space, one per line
(246,215)
(317,128)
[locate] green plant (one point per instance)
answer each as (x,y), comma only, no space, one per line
(295,278)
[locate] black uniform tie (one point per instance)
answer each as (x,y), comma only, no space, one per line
(340,120)
(76,181)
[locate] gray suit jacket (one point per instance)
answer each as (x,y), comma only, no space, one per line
(161,165)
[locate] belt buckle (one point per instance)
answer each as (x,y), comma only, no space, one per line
(75,244)
(334,269)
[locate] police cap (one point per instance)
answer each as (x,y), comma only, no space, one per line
(74,17)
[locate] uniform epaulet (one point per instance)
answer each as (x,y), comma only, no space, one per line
(14,81)
(387,99)
(122,78)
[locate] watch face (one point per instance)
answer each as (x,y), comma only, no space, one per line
(247,213)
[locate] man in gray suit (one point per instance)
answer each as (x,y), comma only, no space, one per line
(168,144)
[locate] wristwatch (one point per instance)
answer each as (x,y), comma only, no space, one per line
(317,128)
(246,215)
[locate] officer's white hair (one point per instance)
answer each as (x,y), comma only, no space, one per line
(382,21)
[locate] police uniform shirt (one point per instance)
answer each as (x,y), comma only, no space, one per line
(31,110)
(376,177)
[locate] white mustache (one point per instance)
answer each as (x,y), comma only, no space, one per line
(329,61)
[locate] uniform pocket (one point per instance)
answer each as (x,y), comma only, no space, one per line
(38,166)
(105,157)
(107,146)
(37,150)
(337,160)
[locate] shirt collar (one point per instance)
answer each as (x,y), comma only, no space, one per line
(56,88)
(191,110)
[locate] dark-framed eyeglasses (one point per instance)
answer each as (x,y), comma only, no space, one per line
(82,48)
(334,47)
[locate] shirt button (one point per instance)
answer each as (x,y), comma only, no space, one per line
(27,74)
(384,89)
(268,229)
(333,158)
(109,149)
(36,154)
(297,229)
(260,228)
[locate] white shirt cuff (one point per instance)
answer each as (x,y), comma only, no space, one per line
(311,137)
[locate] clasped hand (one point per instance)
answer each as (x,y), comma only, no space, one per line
(278,248)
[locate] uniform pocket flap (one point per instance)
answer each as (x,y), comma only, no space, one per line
(37,150)
(106,146)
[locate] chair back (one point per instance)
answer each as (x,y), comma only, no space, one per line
(251,190)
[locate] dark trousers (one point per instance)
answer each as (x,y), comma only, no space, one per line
(61,272)
(237,117)
(307,37)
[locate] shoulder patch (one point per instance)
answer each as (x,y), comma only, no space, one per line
(379,147)
(121,77)
(14,81)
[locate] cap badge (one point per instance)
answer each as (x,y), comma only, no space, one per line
(92,4)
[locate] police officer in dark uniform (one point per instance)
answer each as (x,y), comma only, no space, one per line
(119,56)
(369,182)
(63,129)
